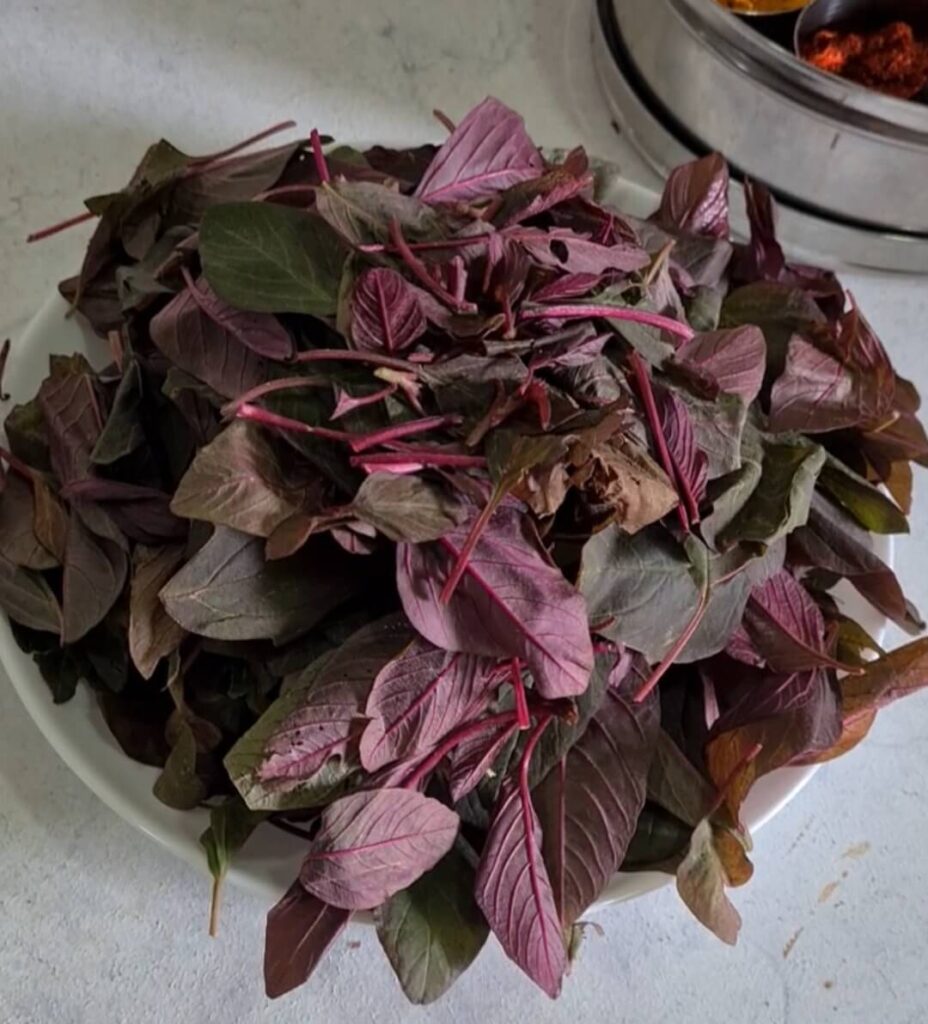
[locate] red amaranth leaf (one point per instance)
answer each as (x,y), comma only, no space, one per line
(385,312)
(731,362)
(590,801)
(474,757)
(690,465)
(563,249)
(488,151)
(510,603)
(419,697)
(695,199)
(373,844)
(786,625)
(513,889)
(300,928)
(263,333)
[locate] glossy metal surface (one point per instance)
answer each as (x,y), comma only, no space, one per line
(685,77)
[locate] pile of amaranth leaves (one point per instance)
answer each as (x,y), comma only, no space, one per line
(480,535)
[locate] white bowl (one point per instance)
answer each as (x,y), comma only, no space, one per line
(270,860)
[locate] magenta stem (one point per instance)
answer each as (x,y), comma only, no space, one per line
(420,272)
(467,549)
(349,355)
(319,157)
(646,394)
(455,739)
(419,456)
(638,316)
(445,243)
(270,387)
(515,674)
(63,225)
(201,162)
(671,656)
(266,418)
(362,442)
(360,403)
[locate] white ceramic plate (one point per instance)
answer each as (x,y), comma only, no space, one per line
(76,730)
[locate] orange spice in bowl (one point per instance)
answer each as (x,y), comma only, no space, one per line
(891,59)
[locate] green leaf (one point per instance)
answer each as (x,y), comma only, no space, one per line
(406,508)
(227,591)
(717,429)
(237,481)
(627,579)
(780,502)
(730,493)
(271,259)
(866,503)
(178,785)
(122,433)
(231,823)
(433,931)
(659,838)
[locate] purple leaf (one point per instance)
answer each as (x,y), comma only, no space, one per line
(786,625)
(263,333)
(731,362)
(95,570)
(514,892)
(788,717)
(690,465)
(695,199)
(474,757)
(590,801)
(314,720)
(565,250)
(510,603)
(832,541)
(198,345)
(567,286)
(418,698)
(385,312)
(371,845)
(141,513)
(488,151)
(300,928)
(815,393)
(70,404)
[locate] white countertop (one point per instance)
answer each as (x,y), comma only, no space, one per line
(97,923)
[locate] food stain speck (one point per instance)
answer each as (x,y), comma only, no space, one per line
(828,984)
(827,892)
(856,851)
(790,942)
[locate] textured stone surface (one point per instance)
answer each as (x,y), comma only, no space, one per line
(97,923)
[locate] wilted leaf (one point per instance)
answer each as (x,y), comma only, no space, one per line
(18,540)
(153,634)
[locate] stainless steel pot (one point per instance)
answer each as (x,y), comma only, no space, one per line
(848,165)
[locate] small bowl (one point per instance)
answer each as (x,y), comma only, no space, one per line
(821,14)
